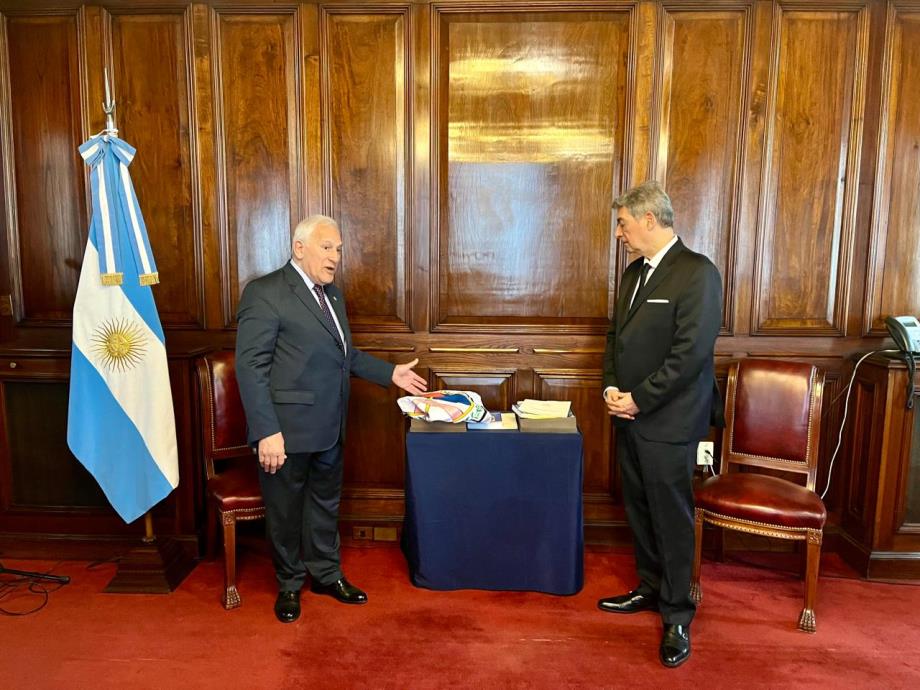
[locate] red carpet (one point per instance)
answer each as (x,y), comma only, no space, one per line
(744,634)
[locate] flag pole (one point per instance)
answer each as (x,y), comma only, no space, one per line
(149,536)
(108,105)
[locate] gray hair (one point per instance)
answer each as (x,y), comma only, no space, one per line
(646,197)
(306,227)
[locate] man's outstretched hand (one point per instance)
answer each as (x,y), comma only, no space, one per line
(408,380)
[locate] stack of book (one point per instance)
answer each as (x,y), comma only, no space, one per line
(546,416)
(542,409)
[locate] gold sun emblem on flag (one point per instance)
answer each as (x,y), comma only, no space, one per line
(119,344)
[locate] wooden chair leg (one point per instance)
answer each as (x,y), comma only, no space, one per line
(720,544)
(807,617)
(211,531)
(231,598)
(696,591)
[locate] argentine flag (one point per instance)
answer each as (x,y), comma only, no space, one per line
(120,421)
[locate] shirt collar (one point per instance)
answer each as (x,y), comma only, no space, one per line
(655,260)
(303,275)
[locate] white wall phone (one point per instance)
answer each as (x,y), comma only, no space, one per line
(905,331)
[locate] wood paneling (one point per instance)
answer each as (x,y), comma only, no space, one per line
(701,131)
(43,472)
(376,449)
(894,288)
(806,230)
(583,389)
(496,388)
(259,127)
(44,489)
(365,93)
(859,498)
(881,531)
(640,116)
(471,152)
(151,63)
(530,141)
(46,229)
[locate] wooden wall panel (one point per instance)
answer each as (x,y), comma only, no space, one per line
(150,77)
(806,229)
(858,500)
(530,140)
(366,98)
(43,471)
(583,388)
(375,453)
(895,262)
(701,131)
(46,215)
(259,125)
(497,389)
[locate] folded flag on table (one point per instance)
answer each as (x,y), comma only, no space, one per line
(445,406)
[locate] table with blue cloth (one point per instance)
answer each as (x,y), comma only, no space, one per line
(498,510)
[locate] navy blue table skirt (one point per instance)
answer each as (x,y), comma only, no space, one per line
(497,510)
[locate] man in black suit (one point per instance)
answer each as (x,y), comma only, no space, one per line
(659,387)
(294,359)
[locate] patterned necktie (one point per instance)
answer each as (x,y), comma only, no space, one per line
(643,276)
(324,306)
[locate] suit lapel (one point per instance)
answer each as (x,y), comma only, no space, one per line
(299,288)
(631,277)
(658,275)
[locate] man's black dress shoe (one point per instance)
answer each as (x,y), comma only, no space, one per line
(287,606)
(342,590)
(633,602)
(675,645)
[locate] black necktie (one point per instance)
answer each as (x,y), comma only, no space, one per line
(643,275)
(321,296)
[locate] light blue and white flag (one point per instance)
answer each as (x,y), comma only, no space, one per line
(120,422)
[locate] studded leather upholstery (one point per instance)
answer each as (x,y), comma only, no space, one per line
(773,425)
(231,468)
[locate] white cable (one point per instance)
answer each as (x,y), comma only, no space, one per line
(846,404)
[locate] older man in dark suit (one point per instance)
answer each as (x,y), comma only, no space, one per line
(294,360)
(660,389)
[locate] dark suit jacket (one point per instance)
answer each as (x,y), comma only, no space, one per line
(662,351)
(292,372)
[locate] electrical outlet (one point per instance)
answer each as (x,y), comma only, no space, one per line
(704,453)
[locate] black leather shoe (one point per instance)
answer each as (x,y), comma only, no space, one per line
(287,606)
(675,645)
(633,602)
(342,590)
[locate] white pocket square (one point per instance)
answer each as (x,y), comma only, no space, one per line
(659,301)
